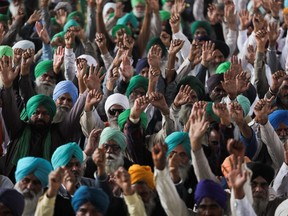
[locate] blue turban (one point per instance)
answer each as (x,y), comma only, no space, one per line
(178,138)
(13,200)
(63,154)
(212,190)
(129,17)
(63,87)
(33,165)
(38,100)
(141,64)
(96,196)
(113,134)
(69,24)
(277,117)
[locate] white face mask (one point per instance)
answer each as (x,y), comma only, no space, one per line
(138,14)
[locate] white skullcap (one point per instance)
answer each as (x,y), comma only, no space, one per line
(282,209)
(24,44)
(116,98)
(90,59)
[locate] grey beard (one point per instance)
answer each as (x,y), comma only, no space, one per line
(184,113)
(183,172)
(112,165)
(113,122)
(149,207)
(44,89)
(30,203)
(60,115)
(138,14)
(260,205)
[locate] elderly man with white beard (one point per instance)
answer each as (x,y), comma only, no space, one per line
(31,178)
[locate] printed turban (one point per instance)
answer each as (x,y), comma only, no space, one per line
(63,154)
(195,84)
(113,134)
(122,118)
(141,173)
(201,24)
(118,99)
(141,64)
(24,45)
(40,100)
(178,138)
(33,165)
(263,170)
(214,81)
(64,87)
(6,51)
(96,196)
(137,81)
(278,117)
(13,200)
(43,67)
(210,189)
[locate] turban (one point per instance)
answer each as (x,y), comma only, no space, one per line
(135,2)
(63,87)
(141,64)
(245,104)
(210,189)
(116,98)
(6,51)
(13,200)
(24,45)
(55,24)
(282,209)
(214,81)
(195,84)
(63,154)
(33,165)
(141,173)
(285,11)
(263,170)
(90,59)
(164,15)
(37,100)
(277,117)
(78,16)
(226,165)
(113,134)
(116,28)
(107,6)
(122,118)
(137,81)
(96,196)
(201,24)
(43,67)
(222,47)
(156,41)
(223,67)
(69,24)
(4,18)
(129,17)
(210,112)
(59,34)
(178,138)
(63,5)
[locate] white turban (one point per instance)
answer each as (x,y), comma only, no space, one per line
(24,44)
(116,98)
(90,59)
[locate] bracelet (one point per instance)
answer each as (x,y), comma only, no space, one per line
(271,92)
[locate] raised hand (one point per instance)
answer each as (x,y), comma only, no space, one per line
(7,72)
(165,38)
(258,22)
(235,147)
(55,180)
(242,82)
(275,7)
(158,101)
(128,42)
(236,113)
(139,106)
(119,10)
(175,46)
(183,96)
(20,14)
(113,76)
(159,155)
(154,56)
(2,33)
(58,59)
(154,5)
(69,38)
(244,19)
(212,14)
(207,53)
(42,33)
(93,141)
(126,69)
(36,16)
(122,179)
(277,80)
(27,59)
(94,79)
(236,65)
(69,181)
(221,110)
(262,109)
(81,68)
(273,33)
(179,6)
(229,14)
(195,53)
(175,23)
(101,43)
(61,16)
(261,40)
(17,56)
(100,160)
(229,83)
(93,99)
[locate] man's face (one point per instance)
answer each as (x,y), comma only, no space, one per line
(209,207)
(200,32)
(214,141)
(75,167)
(184,160)
(30,186)
(143,191)
(260,189)
(114,156)
(136,93)
(218,58)
(88,209)
(144,72)
(283,93)
(40,118)
(45,84)
(113,112)
(64,102)
(217,94)
(282,132)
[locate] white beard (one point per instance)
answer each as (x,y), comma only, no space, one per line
(184,113)
(183,172)
(138,14)
(44,87)
(60,115)
(30,203)
(113,164)
(260,205)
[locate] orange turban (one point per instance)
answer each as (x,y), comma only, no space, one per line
(142,173)
(285,11)
(226,165)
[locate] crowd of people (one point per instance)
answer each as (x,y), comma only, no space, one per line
(144,107)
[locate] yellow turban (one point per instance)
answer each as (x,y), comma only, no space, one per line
(142,173)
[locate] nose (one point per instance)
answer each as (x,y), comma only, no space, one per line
(30,185)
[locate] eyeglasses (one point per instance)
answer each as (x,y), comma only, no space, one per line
(114,111)
(114,148)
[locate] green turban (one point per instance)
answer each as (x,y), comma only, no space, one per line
(6,51)
(113,134)
(245,104)
(116,28)
(201,24)
(79,17)
(178,138)
(63,154)
(209,112)
(135,2)
(122,118)
(43,67)
(164,15)
(156,41)
(38,100)
(137,81)
(223,67)
(129,17)
(55,24)
(59,34)
(4,18)
(69,24)
(195,84)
